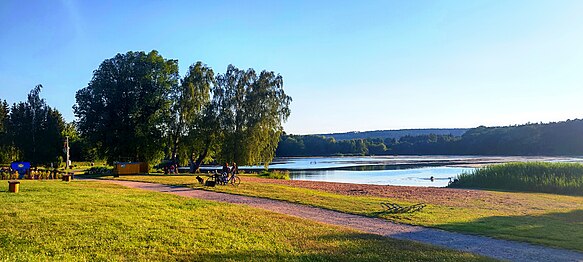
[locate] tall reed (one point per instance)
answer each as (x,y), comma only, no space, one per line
(557,178)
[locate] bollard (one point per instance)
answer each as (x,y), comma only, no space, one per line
(13,186)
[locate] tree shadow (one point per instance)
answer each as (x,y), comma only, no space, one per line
(559,229)
(339,247)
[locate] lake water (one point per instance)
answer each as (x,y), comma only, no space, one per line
(392,170)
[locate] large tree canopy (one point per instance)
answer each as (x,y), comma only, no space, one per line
(124,108)
(135,108)
(250,111)
(189,99)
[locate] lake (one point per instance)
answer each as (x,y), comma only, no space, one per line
(392,170)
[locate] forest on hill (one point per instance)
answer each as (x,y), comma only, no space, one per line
(396,134)
(557,138)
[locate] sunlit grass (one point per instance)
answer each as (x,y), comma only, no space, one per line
(80,221)
(502,215)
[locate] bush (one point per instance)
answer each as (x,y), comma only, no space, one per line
(275,174)
(99,171)
(557,178)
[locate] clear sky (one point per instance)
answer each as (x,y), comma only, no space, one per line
(349,65)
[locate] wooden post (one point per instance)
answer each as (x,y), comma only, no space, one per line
(13,186)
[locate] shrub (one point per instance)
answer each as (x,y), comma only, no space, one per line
(99,171)
(275,174)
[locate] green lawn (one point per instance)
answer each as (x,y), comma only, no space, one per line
(547,219)
(79,221)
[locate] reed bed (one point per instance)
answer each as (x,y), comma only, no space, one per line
(545,177)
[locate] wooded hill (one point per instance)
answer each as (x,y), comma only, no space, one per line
(396,134)
(558,138)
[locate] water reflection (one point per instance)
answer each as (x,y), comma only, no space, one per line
(399,177)
(390,170)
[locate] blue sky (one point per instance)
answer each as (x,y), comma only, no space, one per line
(349,65)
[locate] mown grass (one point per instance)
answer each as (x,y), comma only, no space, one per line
(536,218)
(80,221)
(556,178)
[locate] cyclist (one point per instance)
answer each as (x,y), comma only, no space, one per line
(225,173)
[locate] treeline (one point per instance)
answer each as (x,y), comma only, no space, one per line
(396,134)
(31,130)
(138,108)
(559,138)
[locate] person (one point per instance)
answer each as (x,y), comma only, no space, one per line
(432,178)
(225,172)
(234,169)
(226,168)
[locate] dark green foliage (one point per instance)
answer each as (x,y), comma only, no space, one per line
(314,145)
(396,134)
(560,138)
(557,178)
(35,130)
(8,152)
(250,110)
(123,110)
(190,101)
(275,174)
(134,109)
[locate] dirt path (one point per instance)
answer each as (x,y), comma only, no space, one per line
(500,249)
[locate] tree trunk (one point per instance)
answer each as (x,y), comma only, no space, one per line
(202,156)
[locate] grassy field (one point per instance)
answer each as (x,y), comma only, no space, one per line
(80,221)
(547,219)
(557,178)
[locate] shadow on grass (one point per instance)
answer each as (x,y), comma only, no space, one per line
(510,190)
(341,247)
(564,230)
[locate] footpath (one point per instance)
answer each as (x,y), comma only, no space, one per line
(490,247)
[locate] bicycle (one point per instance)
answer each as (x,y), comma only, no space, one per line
(223,179)
(234,180)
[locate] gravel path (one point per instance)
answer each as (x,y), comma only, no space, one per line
(500,249)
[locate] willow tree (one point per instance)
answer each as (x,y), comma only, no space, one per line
(189,99)
(124,109)
(250,111)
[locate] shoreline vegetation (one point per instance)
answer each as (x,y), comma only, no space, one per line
(544,177)
(531,139)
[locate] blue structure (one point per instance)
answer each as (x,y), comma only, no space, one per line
(21,168)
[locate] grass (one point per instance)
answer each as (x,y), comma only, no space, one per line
(80,221)
(556,178)
(547,219)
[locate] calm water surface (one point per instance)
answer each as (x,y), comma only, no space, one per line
(392,170)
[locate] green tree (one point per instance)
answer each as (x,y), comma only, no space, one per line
(189,99)
(36,129)
(250,110)
(124,110)
(7,151)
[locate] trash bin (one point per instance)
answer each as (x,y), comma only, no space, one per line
(13,186)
